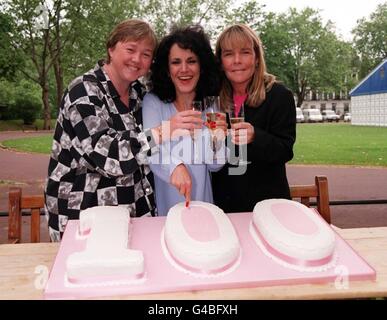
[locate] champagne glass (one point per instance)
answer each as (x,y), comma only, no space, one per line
(236,113)
(196,105)
(212,107)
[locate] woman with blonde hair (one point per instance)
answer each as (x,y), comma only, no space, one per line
(268,130)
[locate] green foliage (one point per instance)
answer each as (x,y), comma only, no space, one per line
(8,63)
(21,100)
(28,104)
(85,27)
(164,14)
(305,54)
(370,36)
(7,100)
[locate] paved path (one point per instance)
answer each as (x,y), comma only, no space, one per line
(345,183)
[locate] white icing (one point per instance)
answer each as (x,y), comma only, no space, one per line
(106,232)
(319,245)
(285,264)
(179,267)
(205,256)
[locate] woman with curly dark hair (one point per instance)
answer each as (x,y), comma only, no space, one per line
(184,70)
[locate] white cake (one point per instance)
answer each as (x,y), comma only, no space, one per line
(201,239)
(293,235)
(106,255)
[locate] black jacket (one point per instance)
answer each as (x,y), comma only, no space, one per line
(274,122)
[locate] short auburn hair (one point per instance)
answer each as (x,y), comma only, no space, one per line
(130,30)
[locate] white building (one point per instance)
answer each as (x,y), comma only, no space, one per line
(369,98)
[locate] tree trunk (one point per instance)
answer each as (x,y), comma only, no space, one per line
(301,93)
(59,81)
(300,99)
(46,105)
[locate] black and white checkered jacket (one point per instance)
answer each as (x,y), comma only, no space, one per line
(99,152)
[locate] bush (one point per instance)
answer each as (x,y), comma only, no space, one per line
(27,109)
(28,103)
(20,100)
(6,100)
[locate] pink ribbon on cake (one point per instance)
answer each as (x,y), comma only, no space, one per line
(198,270)
(289,259)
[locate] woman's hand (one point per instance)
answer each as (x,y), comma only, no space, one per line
(242,133)
(181,179)
(184,122)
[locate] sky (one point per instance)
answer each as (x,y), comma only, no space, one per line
(344,13)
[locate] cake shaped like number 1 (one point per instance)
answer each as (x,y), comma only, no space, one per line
(106,256)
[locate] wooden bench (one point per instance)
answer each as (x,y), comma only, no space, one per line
(18,202)
(318,190)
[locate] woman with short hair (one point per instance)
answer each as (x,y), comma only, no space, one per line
(99,153)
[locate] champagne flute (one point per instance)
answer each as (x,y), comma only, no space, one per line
(196,105)
(236,113)
(212,107)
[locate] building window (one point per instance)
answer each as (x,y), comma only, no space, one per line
(346,107)
(323,106)
(334,106)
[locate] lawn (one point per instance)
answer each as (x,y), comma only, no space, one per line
(40,144)
(328,143)
(341,143)
(16,125)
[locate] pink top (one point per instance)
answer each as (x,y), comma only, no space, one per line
(294,219)
(238,101)
(200,224)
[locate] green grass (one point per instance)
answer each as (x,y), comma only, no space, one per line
(40,144)
(17,125)
(328,143)
(340,144)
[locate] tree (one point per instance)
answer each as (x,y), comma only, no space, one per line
(370,37)
(79,33)
(250,13)
(167,13)
(52,35)
(32,40)
(303,53)
(9,63)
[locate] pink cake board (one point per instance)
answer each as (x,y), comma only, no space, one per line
(255,268)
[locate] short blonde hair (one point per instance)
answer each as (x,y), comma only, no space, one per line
(240,35)
(130,30)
